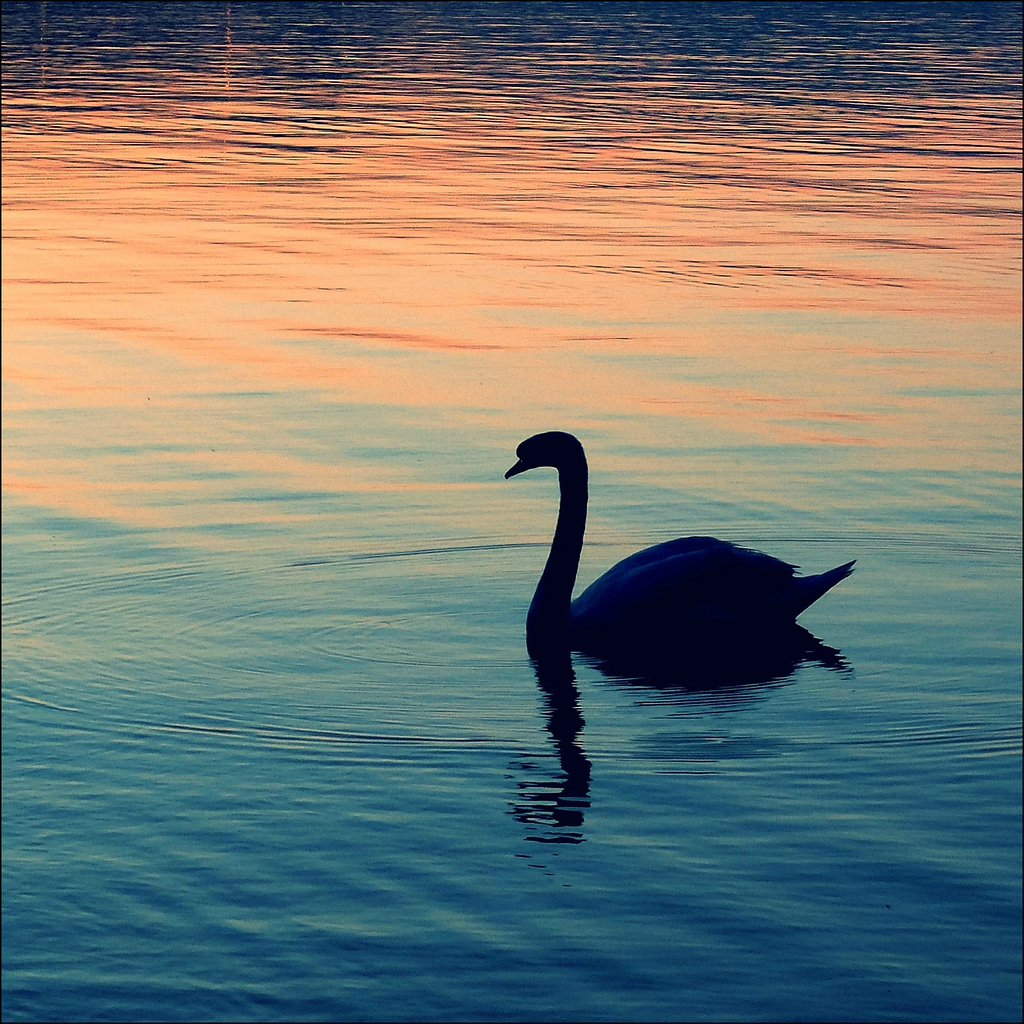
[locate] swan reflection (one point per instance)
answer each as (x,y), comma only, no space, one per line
(724,662)
(552,804)
(557,802)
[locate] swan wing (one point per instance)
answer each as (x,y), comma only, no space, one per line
(679,588)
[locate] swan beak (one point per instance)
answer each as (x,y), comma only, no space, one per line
(519,467)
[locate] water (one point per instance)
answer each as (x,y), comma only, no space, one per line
(284,286)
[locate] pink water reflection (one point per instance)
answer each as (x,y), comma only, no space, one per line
(471,261)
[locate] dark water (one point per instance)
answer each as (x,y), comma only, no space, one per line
(284,286)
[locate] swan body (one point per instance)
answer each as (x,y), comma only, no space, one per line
(671,597)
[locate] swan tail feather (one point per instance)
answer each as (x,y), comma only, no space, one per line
(805,590)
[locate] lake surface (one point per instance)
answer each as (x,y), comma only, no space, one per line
(284,285)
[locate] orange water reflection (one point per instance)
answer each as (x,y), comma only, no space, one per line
(485,267)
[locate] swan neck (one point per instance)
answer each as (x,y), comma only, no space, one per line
(548,618)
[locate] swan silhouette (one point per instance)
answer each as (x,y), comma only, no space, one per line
(669,600)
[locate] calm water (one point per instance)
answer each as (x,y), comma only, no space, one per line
(283,287)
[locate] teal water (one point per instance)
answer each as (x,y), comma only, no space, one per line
(284,286)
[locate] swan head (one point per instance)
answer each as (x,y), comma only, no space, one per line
(552,448)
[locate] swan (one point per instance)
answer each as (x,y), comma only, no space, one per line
(671,598)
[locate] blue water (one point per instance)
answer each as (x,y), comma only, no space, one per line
(284,286)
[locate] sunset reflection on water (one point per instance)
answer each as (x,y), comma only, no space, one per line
(631,256)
